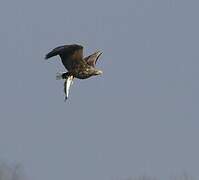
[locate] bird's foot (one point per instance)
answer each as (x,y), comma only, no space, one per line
(61,75)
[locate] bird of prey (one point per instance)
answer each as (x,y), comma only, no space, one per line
(77,66)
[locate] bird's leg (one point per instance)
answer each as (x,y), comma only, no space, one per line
(63,75)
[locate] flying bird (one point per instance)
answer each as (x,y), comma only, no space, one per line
(76,65)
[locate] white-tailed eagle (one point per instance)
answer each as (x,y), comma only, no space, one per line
(77,66)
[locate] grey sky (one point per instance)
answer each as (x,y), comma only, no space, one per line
(140,117)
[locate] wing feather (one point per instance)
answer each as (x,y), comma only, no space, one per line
(92,59)
(70,54)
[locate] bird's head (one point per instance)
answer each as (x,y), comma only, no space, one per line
(97,72)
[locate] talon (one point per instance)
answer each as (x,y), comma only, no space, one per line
(59,76)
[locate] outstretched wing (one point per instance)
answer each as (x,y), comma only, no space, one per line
(70,55)
(92,59)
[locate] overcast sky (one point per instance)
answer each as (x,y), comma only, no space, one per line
(140,117)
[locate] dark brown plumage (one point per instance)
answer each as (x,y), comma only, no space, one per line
(73,61)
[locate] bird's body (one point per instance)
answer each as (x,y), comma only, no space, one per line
(73,61)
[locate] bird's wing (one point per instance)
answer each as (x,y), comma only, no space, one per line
(70,55)
(92,59)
